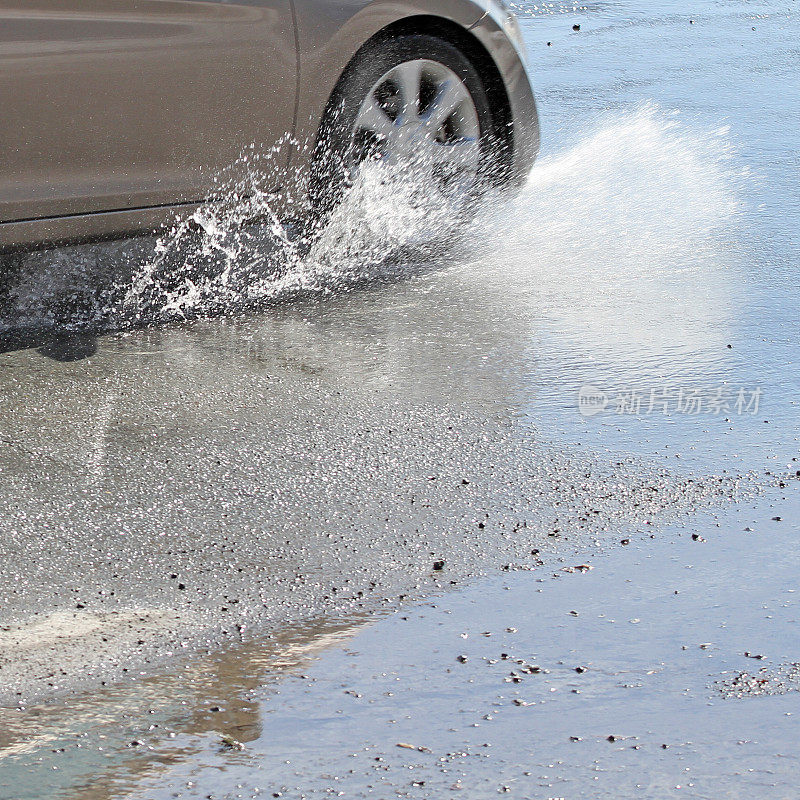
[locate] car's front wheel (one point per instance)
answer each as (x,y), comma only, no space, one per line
(412,107)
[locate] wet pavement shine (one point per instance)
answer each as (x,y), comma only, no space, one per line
(517,519)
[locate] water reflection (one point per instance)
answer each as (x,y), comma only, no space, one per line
(102,745)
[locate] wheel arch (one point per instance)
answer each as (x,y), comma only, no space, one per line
(329,48)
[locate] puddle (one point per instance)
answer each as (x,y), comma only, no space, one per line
(595,682)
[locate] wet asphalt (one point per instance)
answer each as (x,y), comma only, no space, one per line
(258,552)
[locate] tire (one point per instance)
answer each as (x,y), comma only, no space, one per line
(339,151)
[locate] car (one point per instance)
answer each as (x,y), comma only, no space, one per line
(118,117)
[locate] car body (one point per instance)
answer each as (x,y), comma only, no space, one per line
(116,116)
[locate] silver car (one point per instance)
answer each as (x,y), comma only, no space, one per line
(116,116)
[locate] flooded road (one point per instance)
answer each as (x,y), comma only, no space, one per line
(309,527)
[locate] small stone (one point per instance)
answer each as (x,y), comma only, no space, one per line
(230,743)
(438,565)
(418,747)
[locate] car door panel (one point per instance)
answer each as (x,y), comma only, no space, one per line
(117,104)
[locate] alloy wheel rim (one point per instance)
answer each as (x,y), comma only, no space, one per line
(419,119)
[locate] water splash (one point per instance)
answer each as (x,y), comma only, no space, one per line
(622,241)
(228,255)
(636,191)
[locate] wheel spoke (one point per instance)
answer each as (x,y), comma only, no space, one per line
(372,117)
(408,80)
(450,95)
